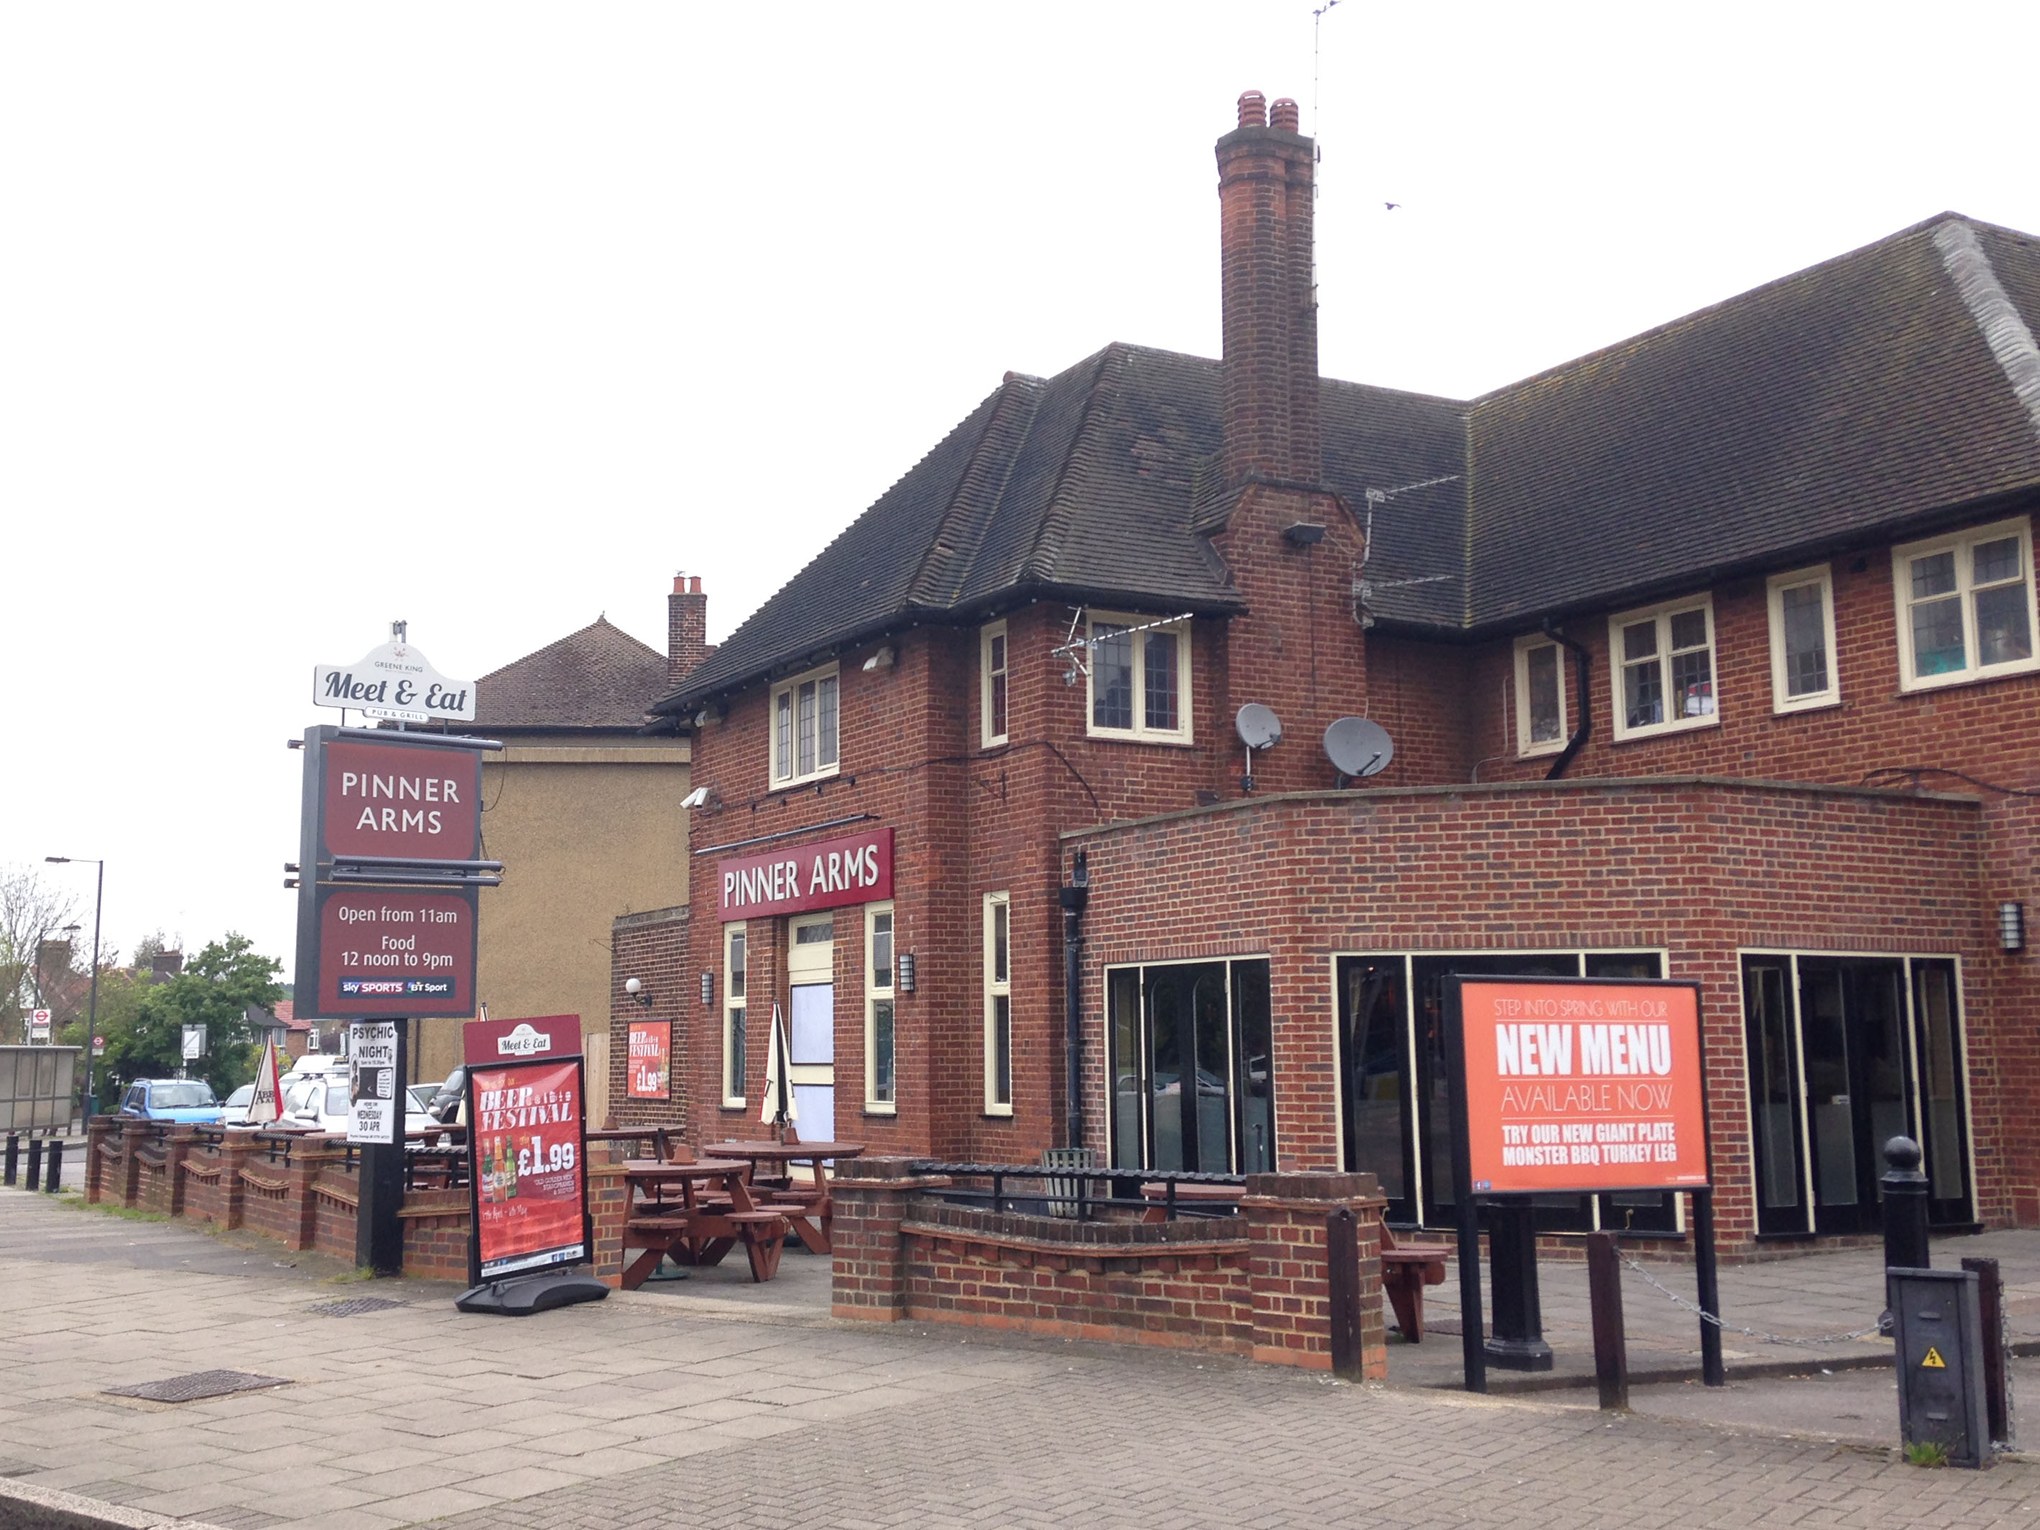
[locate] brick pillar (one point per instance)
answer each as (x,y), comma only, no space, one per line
(869,1281)
(1287,1269)
(102,1143)
(307,1162)
(239,1148)
(608,1209)
(177,1147)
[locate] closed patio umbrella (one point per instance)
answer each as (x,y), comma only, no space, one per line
(779,1109)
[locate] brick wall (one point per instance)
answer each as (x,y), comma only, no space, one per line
(653,948)
(1255,1285)
(1698,869)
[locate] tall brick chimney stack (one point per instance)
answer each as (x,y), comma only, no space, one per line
(1270,367)
(686,627)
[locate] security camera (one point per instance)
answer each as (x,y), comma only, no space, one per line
(695,798)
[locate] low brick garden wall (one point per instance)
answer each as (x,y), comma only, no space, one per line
(301,1191)
(1255,1285)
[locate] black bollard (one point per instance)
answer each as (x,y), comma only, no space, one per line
(1342,1269)
(34,1162)
(13,1158)
(55,1177)
(1905,1213)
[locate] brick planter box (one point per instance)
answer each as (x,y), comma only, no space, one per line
(1256,1285)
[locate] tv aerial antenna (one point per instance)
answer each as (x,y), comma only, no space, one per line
(1364,589)
(1259,728)
(1075,650)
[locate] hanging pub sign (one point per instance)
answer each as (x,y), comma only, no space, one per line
(390,837)
(1577,1086)
(527,1167)
(829,873)
(395,682)
(651,1060)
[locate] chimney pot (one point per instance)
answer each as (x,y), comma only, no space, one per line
(1283,114)
(1253,109)
(686,627)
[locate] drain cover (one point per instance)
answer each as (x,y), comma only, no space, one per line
(354,1305)
(199,1384)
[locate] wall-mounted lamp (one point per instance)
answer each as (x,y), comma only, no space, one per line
(2012,926)
(636,991)
(707,989)
(907,972)
(883,659)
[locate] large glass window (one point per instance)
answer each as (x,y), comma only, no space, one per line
(1140,678)
(1192,1065)
(804,728)
(1877,1042)
(1965,606)
(1803,641)
(879,1092)
(1395,1092)
(1664,668)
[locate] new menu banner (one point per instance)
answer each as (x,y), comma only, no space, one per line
(530,1190)
(1573,1087)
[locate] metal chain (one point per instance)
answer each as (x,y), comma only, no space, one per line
(1693,1307)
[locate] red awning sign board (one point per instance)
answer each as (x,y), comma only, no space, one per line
(799,879)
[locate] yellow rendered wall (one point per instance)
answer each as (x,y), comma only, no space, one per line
(585,831)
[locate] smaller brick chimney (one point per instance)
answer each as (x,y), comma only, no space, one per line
(1270,371)
(686,627)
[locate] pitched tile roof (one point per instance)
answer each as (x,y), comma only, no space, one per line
(599,677)
(1850,401)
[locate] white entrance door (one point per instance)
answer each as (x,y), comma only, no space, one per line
(811,1024)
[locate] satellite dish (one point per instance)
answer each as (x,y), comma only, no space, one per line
(1258,726)
(1358,746)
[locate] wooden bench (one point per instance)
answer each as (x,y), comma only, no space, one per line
(1406,1268)
(764,1234)
(656,1236)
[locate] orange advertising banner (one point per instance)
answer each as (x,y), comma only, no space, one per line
(1575,1087)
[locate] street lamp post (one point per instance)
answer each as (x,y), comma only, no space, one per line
(92,1004)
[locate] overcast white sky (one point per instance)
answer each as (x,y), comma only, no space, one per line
(492,317)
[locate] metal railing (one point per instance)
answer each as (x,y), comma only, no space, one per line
(1079,1194)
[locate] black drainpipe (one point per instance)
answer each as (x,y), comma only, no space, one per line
(1583,675)
(1075,895)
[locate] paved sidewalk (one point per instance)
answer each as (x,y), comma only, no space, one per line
(713,1402)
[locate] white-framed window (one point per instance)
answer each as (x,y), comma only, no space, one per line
(1803,641)
(736,962)
(1965,605)
(992,684)
(804,727)
(1663,663)
(998,1004)
(881,1093)
(1540,695)
(1140,679)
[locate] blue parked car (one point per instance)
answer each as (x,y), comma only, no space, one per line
(189,1101)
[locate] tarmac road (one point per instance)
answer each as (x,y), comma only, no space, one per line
(698,1404)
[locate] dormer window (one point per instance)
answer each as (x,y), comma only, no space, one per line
(804,724)
(1140,679)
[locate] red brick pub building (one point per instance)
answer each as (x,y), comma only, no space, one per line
(1709,656)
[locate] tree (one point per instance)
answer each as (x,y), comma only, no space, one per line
(216,989)
(31,910)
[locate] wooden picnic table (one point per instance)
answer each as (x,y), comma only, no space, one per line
(715,1213)
(809,1207)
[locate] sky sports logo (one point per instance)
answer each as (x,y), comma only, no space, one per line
(396,988)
